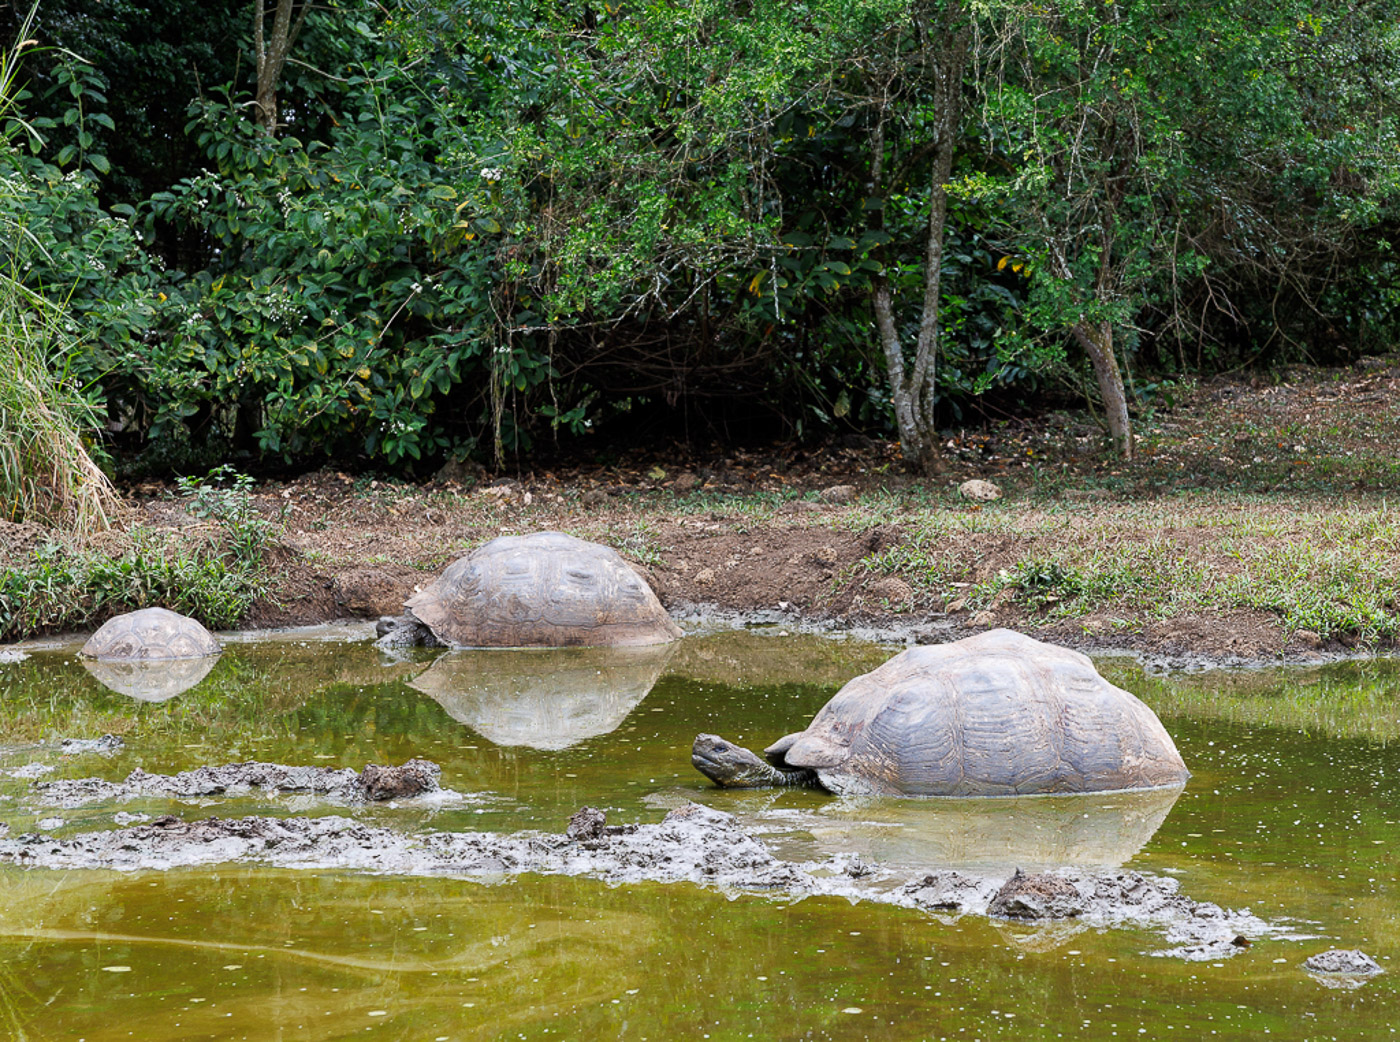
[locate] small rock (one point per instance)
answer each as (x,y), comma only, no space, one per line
(1342,960)
(30,770)
(1039,896)
(49,824)
(857,869)
(588,823)
(839,494)
(979,490)
(122,817)
(414,778)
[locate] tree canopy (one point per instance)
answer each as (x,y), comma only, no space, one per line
(445,227)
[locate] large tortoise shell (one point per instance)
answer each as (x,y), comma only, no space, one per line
(542,590)
(997,714)
(151,633)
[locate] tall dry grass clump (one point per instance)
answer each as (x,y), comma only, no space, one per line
(47,474)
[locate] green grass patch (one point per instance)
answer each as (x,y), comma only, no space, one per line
(59,589)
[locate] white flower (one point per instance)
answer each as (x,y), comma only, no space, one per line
(491,173)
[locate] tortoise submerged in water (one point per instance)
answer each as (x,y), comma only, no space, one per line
(151,633)
(997,714)
(541,590)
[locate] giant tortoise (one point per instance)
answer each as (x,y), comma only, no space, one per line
(152,654)
(997,714)
(541,590)
(151,633)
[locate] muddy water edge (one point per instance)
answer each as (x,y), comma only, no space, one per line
(1291,812)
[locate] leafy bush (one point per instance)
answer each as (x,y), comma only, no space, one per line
(224,495)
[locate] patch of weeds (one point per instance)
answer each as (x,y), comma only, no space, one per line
(225,496)
(919,561)
(1148,578)
(641,545)
(58,589)
(1038,583)
(925,566)
(1341,591)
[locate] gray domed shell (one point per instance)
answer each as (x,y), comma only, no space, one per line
(151,633)
(997,714)
(542,590)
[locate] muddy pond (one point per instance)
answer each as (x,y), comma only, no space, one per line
(1293,812)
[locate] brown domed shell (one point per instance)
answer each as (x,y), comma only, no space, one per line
(997,714)
(151,633)
(542,590)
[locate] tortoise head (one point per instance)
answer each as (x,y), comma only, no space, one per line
(732,766)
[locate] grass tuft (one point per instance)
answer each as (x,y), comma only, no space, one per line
(47,474)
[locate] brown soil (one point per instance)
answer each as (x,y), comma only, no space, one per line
(785,533)
(792,569)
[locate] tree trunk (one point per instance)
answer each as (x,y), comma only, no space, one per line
(1097,341)
(272,54)
(914,388)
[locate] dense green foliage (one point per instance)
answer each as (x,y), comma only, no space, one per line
(479,224)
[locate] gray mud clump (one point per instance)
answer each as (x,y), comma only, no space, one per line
(692,844)
(1342,960)
(414,778)
(373,783)
(587,824)
(1039,896)
(107,745)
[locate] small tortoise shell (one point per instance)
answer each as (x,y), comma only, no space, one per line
(151,633)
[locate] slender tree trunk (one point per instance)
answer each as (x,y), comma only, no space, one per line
(914,387)
(272,54)
(1097,341)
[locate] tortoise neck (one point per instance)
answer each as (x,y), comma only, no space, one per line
(789,777)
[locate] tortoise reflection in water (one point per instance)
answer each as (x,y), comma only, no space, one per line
(543,698)
(997,714)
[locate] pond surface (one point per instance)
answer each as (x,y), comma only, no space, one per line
(1292,811)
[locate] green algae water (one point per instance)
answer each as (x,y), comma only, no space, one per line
(1292,811)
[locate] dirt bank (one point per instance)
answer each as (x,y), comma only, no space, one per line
(1256,526)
